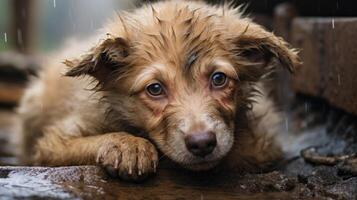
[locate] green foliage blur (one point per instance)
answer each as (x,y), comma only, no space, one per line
(56,21)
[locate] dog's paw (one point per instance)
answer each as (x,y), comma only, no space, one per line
(130,158)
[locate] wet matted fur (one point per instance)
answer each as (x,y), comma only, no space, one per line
(91,104)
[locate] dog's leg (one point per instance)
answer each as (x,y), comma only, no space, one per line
(120,153)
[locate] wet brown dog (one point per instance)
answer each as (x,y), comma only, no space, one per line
(182,77)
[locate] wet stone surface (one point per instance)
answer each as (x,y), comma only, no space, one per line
(327,169)
(89,182)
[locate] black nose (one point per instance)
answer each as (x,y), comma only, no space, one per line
(201,143)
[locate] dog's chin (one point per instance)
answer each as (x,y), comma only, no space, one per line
(201,166)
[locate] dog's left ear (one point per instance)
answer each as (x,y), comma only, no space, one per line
(257,48)
(102,61)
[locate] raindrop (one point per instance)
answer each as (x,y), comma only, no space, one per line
(338,79)
(333,23)
(23,13)
(287,124)
(91,24)
(54,3)
(19,36)
(71,19)
(306,107)
(5,37)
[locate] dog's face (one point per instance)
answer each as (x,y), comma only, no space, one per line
(178,71)
(189,112)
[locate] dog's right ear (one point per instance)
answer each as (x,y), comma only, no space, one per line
(102,61)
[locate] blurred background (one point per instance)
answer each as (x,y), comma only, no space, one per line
(31,28)
(41,25)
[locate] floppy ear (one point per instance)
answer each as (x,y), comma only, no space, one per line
(102,61)
(256,49)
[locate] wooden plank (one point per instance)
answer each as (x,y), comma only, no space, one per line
(329,54)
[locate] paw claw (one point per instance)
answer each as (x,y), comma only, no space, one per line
(116,164)
(129,162)
(130,171)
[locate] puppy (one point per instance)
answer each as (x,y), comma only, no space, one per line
(181,77)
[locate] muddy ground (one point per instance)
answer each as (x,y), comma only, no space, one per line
(320,163)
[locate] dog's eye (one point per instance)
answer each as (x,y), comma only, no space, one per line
(155,89)
(218,80)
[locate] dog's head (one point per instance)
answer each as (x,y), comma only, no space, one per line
(178,70)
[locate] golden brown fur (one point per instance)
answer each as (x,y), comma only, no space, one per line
(96,110)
